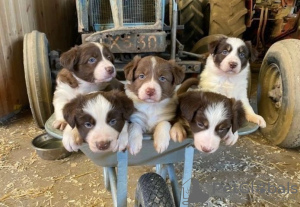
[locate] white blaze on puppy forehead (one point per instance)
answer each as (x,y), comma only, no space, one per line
(215,113)
(153,62)
(235,41)
(98,108)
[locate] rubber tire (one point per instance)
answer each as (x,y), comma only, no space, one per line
(227,17)
(191,16)
(152,191)
(284,131)
(38,76)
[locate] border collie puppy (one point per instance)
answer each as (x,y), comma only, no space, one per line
(211,117)
(226,72)
(151,83)
(101,119)
(87,68)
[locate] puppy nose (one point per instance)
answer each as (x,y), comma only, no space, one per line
(206,149)
(102,145)
(150,91)
(232,65)
(110,69)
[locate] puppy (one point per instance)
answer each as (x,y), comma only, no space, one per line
(101,119)
(211,117)
(88,67)
(151,82)
(226,72)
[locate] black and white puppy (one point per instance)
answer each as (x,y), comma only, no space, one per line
(87,68)
(226,72)
(151,83)
(211,117)
(101,119)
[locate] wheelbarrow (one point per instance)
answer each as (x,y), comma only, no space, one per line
(150,185)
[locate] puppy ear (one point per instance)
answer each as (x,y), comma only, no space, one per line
(66,76)
(189,103)
(252,51)
(131,67)
(212,46)
(239,116)
(121,101)
(71,109)
(70,58)
(128,107)
(178,72)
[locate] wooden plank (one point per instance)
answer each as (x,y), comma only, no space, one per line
(6,53)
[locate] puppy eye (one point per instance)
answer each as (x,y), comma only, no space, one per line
(141,76)
(225,52)
(108,57)
(222,130)
(242,55)
(162,78)
(88,125)
(200,125)
(92,60)
(112,122)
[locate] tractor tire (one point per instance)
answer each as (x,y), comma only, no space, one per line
(38,76)
(280,68)
(191,17)
(152,191)
(227,17)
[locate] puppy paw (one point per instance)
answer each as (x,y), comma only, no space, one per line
(71,139)
(122,142)
(177,132)
(135,144)
(257,119)
(231,138)
(59,124)
(161,144)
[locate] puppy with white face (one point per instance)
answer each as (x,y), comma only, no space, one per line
(211,118)
(87,68)
(101,120)
(226,72)
(151,83)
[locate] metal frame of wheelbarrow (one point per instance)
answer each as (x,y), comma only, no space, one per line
(115,180)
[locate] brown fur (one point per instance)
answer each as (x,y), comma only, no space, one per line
(173,73)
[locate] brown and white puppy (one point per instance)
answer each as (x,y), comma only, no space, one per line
(87,68)
(226,72)
(101,119)
(151,83)
(211,117)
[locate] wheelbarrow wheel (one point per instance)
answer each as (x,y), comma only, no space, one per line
(38,76)
(152,191)
(278,93)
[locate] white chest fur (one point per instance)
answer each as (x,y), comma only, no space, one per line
(231,85)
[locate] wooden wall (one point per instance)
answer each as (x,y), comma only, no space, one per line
(56,18)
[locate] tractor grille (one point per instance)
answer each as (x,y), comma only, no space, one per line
(135,12)
(139,11)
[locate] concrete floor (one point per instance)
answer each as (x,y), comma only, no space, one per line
(250,173)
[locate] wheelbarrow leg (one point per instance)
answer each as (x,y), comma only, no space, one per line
(106,178)
(161,170)
(187,175)
(174,183)
(111,171)
(122,179)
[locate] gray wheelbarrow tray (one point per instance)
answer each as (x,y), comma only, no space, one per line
(116,183)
